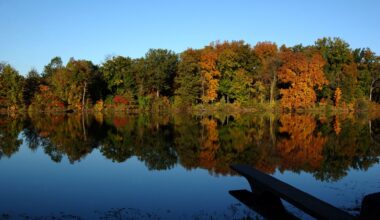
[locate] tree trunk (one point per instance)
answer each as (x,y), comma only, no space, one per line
(203,91)
(84,95)
(370,127)
(84,127)
(272,87)
(372,87)
(271,129)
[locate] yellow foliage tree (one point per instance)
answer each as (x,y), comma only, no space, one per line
(337,127)
(210,75)
(337,96)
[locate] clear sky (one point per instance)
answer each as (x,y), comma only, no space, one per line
(34,31)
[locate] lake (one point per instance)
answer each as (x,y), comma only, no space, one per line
(119,166)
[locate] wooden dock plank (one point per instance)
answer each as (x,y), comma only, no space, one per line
(306,202)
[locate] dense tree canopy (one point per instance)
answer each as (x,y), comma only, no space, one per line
(117,72)
(11,89)
(32,81)
(160,69)
(267,52)
(188,78)
(302,75)
(326,73)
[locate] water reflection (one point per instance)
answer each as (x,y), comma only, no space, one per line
(9,141)
(326,147)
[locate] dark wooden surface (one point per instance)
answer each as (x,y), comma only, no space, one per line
(306,202)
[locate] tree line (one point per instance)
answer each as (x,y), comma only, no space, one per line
(327,73)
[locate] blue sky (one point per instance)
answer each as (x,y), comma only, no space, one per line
(34,31)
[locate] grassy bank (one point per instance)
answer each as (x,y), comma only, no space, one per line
(361,107)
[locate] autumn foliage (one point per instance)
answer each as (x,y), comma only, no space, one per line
(303,74)
(210,75)
(337,128)
(337,96)
(265,50)
(120,100)
(221,74)
(47,100)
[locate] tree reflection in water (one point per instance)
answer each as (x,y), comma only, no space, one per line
(327,147)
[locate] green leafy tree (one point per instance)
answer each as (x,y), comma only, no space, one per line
(241,86)
(188,79)
(31,87)
(368,70)
(97,87)
(80,73)
(117,73)
(55,84)
(259,91)
(11,87)
(340,69)
(237,64)
(160,69)
(138,70)
(51,68)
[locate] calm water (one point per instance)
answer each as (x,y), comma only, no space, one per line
(170,167)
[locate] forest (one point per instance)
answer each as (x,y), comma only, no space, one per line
(223,75)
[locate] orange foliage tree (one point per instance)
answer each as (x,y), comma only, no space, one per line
(303,73)
(337,96)
(210,74)
(265,50)
(337,127)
